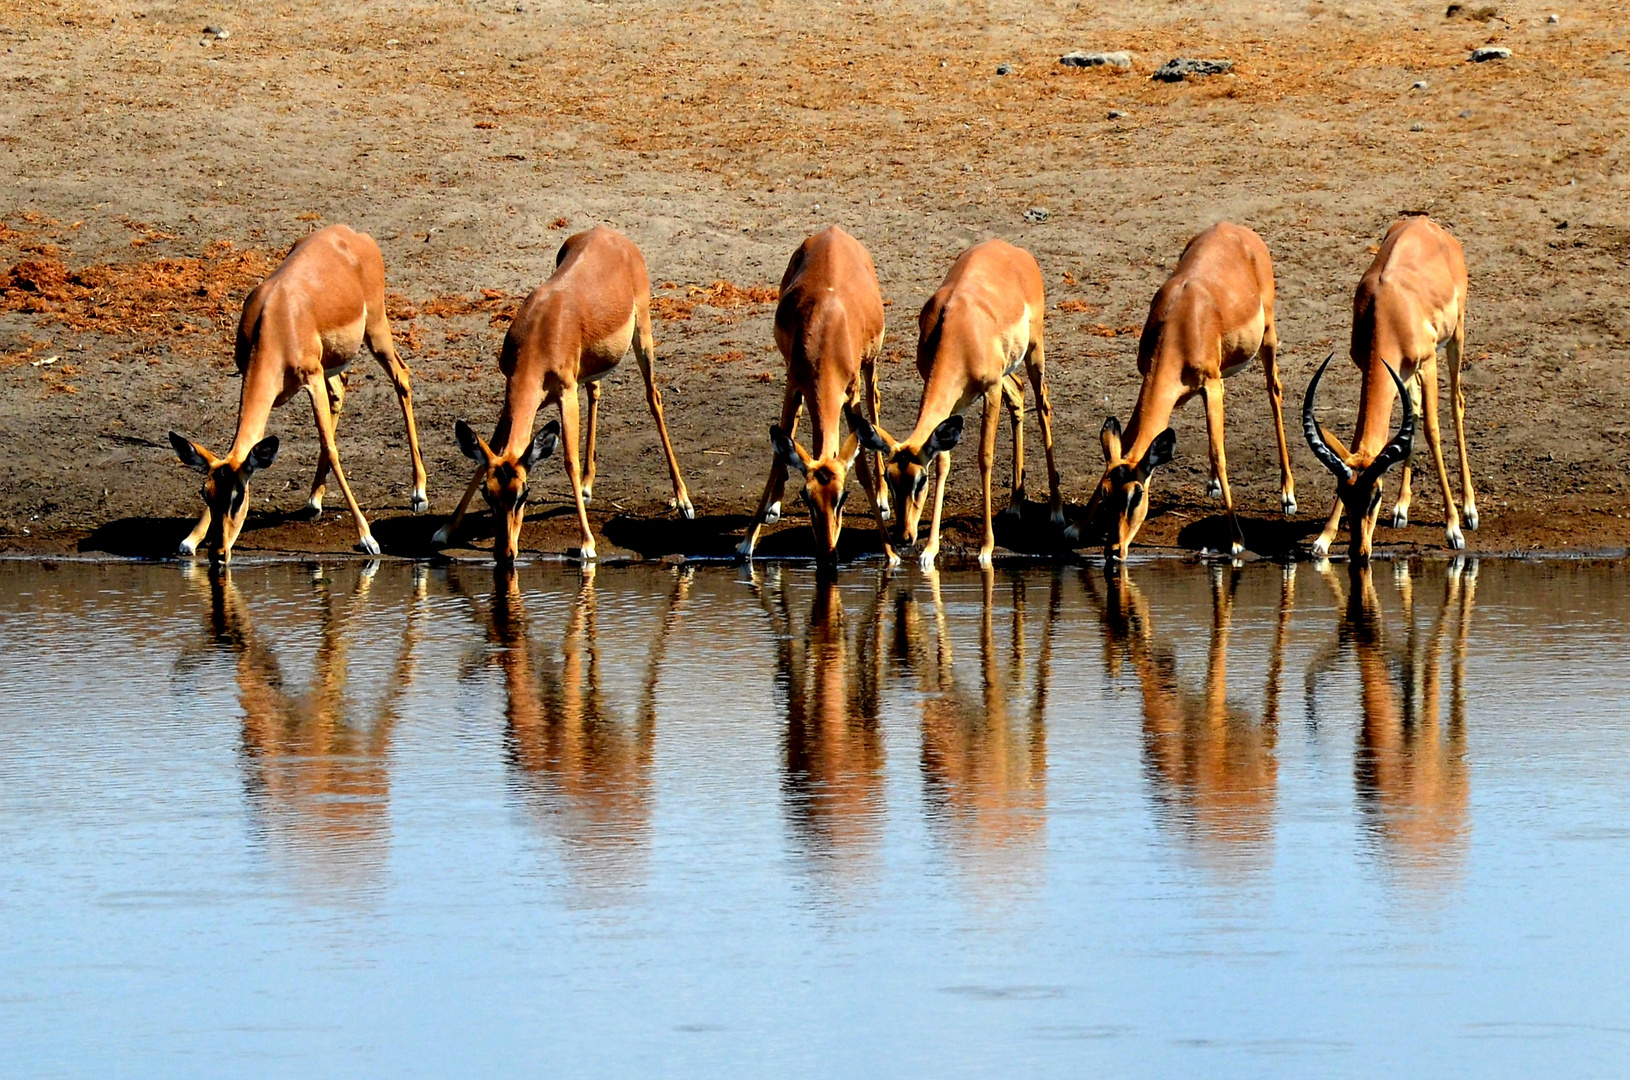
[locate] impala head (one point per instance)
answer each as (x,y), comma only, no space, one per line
(825,487)
(1358,480)
(906,466)
(226,488)
(1122,499)
(505,486)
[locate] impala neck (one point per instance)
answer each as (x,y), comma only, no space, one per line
(262,382)
(947,391)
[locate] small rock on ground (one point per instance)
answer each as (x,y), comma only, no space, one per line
(1490,52)
(1179,68)
(1004,69)
(1096,59)
(1037,214)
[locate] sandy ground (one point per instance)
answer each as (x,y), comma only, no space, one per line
(153,174)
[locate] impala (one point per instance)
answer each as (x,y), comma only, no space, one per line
(301,329)
(1207,322)
(829,328)
(571,331)
(983,322)
(1409,302)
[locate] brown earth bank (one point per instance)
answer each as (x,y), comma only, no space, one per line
(154,173)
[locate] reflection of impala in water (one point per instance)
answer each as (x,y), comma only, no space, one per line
(1409,770)
(317,777)
(1213,766)
(829,685)
(984,768)
(576,766)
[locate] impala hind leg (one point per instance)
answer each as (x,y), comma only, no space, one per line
(1451,513)
(987,465)
(569,420)
(590,442)
(645,354)
(325,431)
(1406,491)
(1037,365)
(1276,401)
(1219,462)
(769,504)
(1457,408)
(335,385)
(383,346)
(1012,392)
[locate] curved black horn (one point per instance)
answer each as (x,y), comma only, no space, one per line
(1398,449)
(1310,429)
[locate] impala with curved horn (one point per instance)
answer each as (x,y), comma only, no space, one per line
(1410,301)
(1358,472)
(1207,322)
(981,325)
(829,328)
(301,328)
(573,330)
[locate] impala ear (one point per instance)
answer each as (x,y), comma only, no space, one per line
(849,450)
(470,443)
(871,437)
(261,457)
(1159,453)
(788,452)
(543,444)
(945,437)
(192,455)
(1110,438)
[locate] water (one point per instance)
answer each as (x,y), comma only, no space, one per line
(340,820)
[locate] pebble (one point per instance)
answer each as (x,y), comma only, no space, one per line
(1004,69)
(1179,68)
(1417,126)
(1419,84)
(1037,215)
(1553,19)
(218,33)
(1096,59)
(1465,114)
(1490,52)
(1116,114)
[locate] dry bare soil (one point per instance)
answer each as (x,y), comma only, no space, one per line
(152,174)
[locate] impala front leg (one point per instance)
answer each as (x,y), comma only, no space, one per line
(769,504)
(325,431)
(189,545)
(1219,462)
(874,403)
(931,552)
(319,485)
(987,465)
(1044,419)
(1400,509)
(500,437)
(1321,546)
(1013,397)
(590,442)
(569,418)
